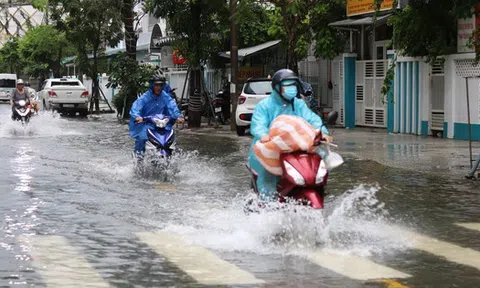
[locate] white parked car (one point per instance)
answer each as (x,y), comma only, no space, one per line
(64,95)
(8,83)
(254,90)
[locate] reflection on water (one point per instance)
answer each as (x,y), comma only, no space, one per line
(75,178)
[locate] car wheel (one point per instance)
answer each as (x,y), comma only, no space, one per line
(84,113)
(241,130)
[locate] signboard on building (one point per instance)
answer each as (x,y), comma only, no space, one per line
(248,72)
(465,28)
(359,7)
(178,59)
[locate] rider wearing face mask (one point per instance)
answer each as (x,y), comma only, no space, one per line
(284,100)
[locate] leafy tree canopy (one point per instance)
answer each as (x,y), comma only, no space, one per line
(41,50)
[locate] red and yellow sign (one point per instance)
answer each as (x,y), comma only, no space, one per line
(465,30)
(250,72)
(359,7)
(178,59)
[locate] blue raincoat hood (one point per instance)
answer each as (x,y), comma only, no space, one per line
(150,104)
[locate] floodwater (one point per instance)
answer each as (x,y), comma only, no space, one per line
(74,214)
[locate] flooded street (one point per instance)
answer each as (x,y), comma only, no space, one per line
(73,214)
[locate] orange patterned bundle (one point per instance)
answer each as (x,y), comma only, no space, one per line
(287,134)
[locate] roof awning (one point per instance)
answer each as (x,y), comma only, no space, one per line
(361,21)
(249,51)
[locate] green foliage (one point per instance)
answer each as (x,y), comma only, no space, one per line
(89,25)
(428,29)
(299,22)
(10,60)
(474,43)
(329,42)
(131,78)
(41,50)
(196,24)
(424,30)
(253,22)
(276,29)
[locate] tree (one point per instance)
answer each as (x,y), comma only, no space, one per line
(41,49)
(196,25)
(131,20)
(10,58)
(253,22)
(294,17)
(300,22)
(329,41)
(130,77)
(90,25)
(428,28)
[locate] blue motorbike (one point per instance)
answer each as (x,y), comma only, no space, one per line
(161,140)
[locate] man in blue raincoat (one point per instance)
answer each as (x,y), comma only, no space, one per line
(284,100)
(154,101)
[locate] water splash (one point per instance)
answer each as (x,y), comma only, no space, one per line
(45,124)
(354,223)
(179,169)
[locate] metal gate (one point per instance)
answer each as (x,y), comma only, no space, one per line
(437,96)
(337,81)
(370,107)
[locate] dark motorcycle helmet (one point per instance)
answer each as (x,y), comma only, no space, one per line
(27,84)
(158,80)
(282,75)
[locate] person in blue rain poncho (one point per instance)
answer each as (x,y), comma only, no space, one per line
(284,100)
(154,101)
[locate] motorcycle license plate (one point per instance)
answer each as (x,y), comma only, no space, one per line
(218,109)
(68,105)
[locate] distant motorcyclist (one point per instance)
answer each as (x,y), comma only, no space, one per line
(284,100)
(32,94)
(154,101)
(18,94)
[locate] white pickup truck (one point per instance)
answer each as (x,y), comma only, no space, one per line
(64,95)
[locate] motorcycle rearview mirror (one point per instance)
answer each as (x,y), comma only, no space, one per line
(332,118)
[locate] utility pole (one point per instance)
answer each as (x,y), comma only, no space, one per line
(233,63)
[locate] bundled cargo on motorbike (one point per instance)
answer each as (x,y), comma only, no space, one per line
(294,154)
(288,134)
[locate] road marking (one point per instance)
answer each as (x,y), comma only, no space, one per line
(61,265)
(392,284)
(452,252)
(166,187)
(471,226)
(201,264)
(353,267)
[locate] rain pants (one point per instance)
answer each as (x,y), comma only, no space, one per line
(265,112)
(150,104)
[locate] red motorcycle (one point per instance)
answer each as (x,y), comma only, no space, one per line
(304,175)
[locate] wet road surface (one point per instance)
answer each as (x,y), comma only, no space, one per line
(73,214)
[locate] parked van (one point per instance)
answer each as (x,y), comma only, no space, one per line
(8,82)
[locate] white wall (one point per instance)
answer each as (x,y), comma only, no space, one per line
(109,92)
(455,91)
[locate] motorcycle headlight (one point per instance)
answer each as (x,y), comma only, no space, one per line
(297,177)
(21,102)
(321,173)
(161,123)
